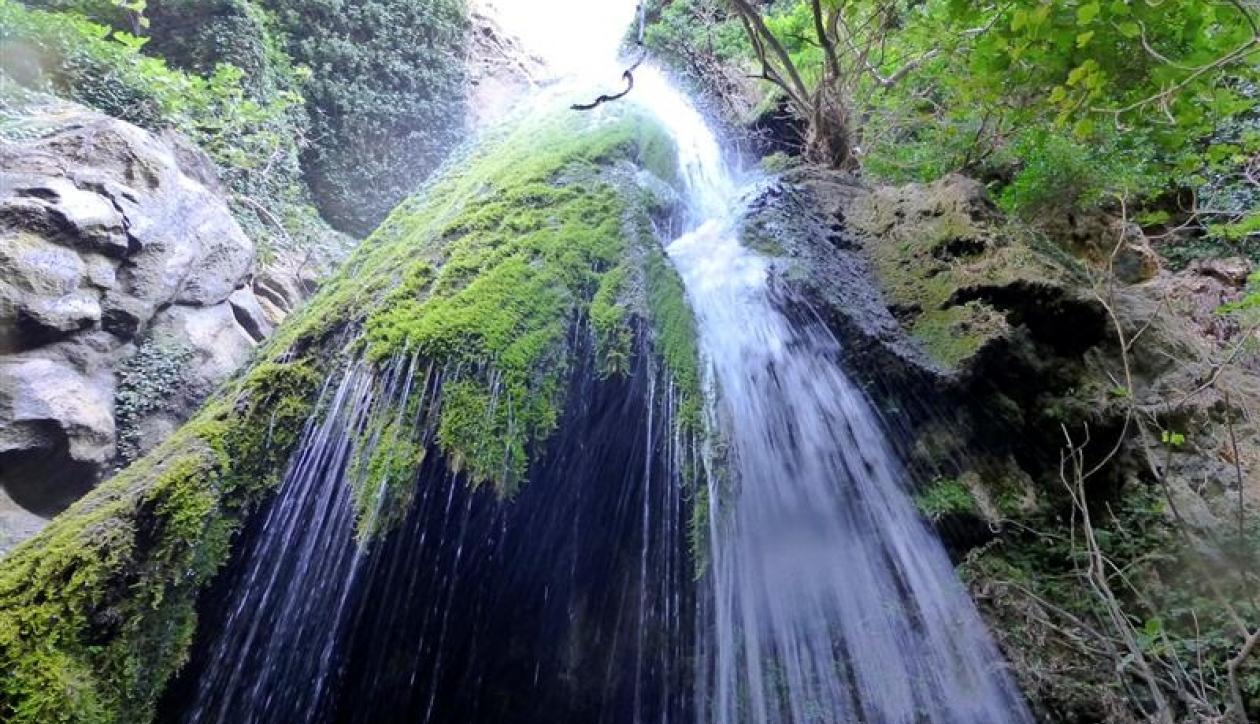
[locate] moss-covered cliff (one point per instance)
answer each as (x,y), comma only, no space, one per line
(1082,442)
(541,234)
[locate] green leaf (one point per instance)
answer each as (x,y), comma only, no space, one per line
(1081,72)
(1085,14)
(1129,29)
(1083,39)
(1019,19)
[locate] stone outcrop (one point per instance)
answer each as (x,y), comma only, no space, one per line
(986,343)
(113,240)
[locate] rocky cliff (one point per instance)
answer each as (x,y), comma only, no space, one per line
(1034,379)
(128,294)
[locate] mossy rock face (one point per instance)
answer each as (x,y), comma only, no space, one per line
(943,257)
(97,611)
(540,234)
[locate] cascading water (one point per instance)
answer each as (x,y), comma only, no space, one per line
(825,598)
(829,600)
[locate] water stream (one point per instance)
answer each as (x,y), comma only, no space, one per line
(828,599)
(825,598)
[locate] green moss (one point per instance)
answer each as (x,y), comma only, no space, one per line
(943,497)
(97,611)
(956,333)
(754,235)
(610,320)
(384,477)
(674,334)
(931,242)
(515,274)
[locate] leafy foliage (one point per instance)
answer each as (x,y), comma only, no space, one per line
(253,137)
(385,96)
(145,383)
(1067,103)
(943,497)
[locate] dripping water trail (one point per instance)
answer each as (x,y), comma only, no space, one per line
(275,655)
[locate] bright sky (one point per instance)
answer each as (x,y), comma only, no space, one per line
(568,34)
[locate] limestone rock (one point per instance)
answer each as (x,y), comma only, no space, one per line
(219,344)
(35,392)
(44,292)
(961,282)
(58,432)
(250,314)
(109,237)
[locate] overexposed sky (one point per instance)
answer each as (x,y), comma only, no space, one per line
(569,34)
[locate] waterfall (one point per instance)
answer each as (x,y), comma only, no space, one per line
(569,603)
(825,598)
(828,599)
(275,654)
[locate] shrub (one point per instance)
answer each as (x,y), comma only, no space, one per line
(385,96)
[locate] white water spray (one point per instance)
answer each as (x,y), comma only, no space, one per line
(830,600)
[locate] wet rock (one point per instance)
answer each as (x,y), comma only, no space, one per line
(801,218)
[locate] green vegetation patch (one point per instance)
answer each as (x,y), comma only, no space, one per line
(97,612)
(934,245)
(383,475)
(1182,597)
(944,497)
(526,241)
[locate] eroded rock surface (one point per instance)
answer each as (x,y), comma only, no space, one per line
(989,346)
(112,240)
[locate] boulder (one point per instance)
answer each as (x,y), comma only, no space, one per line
(58,431)
(218,342)
(45,292)
(112,240)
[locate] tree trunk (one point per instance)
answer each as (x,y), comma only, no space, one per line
(829,141)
